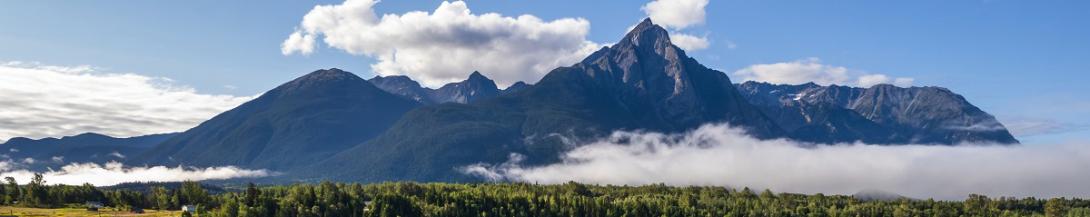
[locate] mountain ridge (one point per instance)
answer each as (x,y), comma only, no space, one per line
(82,148)
(475,87)
(298,122)
(911,115)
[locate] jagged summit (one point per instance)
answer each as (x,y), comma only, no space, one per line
(665,88)
(477,76)
(647,34)
(474,88)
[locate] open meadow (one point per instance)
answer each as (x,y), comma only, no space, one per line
(23,211)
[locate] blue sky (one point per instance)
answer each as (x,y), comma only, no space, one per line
(1023,61)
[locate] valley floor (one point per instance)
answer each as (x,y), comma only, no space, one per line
(24,211)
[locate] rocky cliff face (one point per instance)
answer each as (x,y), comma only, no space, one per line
(883,114)
(664,87)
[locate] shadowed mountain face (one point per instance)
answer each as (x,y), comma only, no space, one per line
(297,123)
(82,148)
(882,114)
(643,82)
(474,88)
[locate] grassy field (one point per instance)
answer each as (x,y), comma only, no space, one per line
(22,211)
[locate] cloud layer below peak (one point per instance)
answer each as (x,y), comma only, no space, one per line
(724,156)
(447,44)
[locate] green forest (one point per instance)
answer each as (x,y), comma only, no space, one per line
(512,199)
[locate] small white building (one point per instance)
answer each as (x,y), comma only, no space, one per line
(93,205)
(189,208)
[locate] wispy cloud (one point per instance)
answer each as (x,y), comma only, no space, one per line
(49,101)
(1025,127)
(720,155)
(115,173)
(813,70)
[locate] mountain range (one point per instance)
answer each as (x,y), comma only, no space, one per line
(86,148)
(332,124)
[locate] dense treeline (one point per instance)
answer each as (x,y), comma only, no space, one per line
(573,199)
(518,199)
(38,194)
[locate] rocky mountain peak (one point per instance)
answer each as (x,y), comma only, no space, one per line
(477,76)
(475,87)
(649,38)
(647,34)
(668,90)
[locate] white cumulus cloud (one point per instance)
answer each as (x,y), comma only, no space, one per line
(447,44)
(724,156)
(676,14)
(812,70)
(115,173)
(50,101)
(689,42)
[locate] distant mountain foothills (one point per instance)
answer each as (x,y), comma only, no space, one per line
(87,147)
(333,125)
